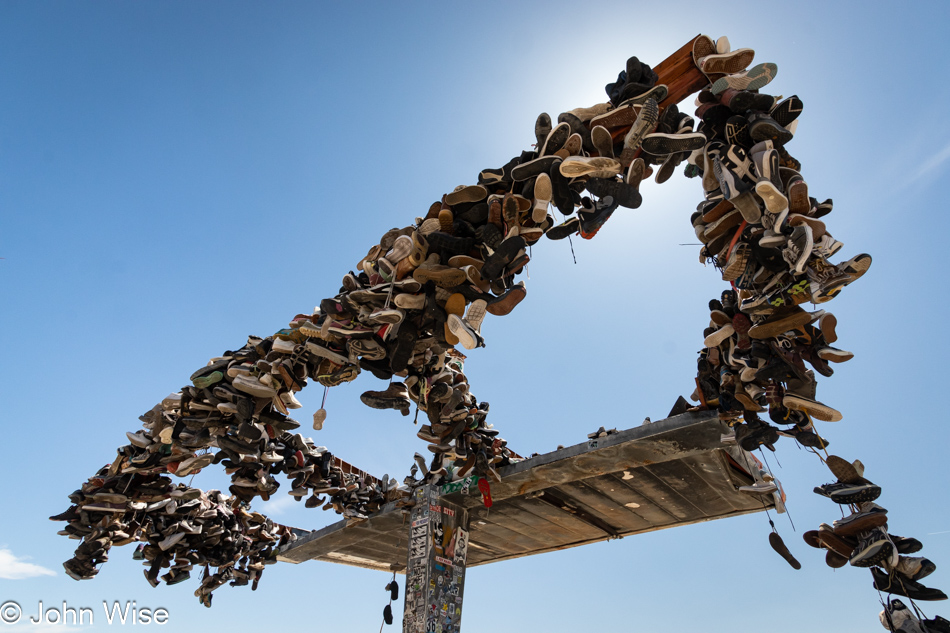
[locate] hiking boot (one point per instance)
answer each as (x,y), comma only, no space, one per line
(396,396)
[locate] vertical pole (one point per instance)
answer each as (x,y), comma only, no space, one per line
(435,572)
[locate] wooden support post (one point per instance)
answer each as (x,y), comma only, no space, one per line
(435,572)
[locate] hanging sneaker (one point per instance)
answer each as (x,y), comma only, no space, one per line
(874,549)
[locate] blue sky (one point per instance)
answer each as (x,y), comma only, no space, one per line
(175,176)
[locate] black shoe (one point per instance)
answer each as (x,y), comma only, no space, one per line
(762,127)
(561,195)
(906,545)
(897,584)
(591,222)
(624,194)
(873,549)
(737,131)
(388,614)
(532,168)
(503,255)
(577,127)
(936,625)
(568,228)
(393,588)
(844,493)
(449,245)
(787,111)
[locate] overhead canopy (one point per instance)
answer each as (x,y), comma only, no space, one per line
(660,475)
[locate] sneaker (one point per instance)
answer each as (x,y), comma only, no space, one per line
(813,408)
(565,229)
(542,197)
(467,329)
(874,549)
(753,79)
(596,166)
(727,63)
(663,144)
(646,122)
(845,493)
(760,488)
(626,195)
(897,583)
(914,567)
(868,517)
(602,141)
(898,618)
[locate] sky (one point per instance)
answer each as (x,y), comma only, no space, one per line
(175,176)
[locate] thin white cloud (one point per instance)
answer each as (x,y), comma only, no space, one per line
(14,567)
(931,165)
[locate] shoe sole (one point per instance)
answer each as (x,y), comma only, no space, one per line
(556,139)
(645,124)
(602,141)
(862,523)
(843,470)
(779,326)
(566,229)
(779,546)
(658,93)
(775,201)
(728,63)
(835,355)
(872,554)
(542,197)
(453,305)
(616,118)
(573,168)
(442,278)
(755,78)
(473,193)
(787,111)
(811,407)
(662,144)
(461,331)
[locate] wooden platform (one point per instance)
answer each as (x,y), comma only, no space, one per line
(661,475)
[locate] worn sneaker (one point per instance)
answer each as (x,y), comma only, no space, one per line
(845,493)
(899,584)
(646,122)
(874,549)
(914,567)
(753,79)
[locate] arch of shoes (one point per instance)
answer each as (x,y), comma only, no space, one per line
(405,310)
